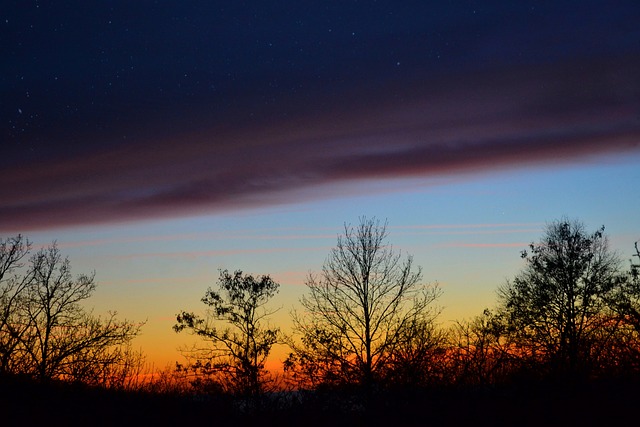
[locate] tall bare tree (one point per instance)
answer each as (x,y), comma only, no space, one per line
(359,310)
(238,339)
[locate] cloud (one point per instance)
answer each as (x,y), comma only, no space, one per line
(250,235)
(483,245)
(423,127)
(218,253)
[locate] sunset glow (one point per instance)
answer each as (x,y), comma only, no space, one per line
(158,144)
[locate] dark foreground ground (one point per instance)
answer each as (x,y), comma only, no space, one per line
(604,403)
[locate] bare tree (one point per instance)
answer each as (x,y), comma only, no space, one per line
(481,352)
(50,333)
(359,310)
(12,253)
(236,352)
(634,273)
(626,296)
(119,367)
(419,356)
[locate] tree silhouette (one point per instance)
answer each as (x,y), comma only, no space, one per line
(360,310)
(12,253)
(622,354)
(237,352)
(481,351)
(46,332)
(633,305)
(559,306)
(419,356)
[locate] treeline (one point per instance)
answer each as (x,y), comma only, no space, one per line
(367,326)
(369,323)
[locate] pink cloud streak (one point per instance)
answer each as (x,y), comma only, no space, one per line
(217,253)
(483,245)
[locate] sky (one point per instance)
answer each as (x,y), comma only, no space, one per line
(160,141)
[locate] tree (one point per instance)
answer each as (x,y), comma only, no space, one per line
(622,355)
(566,296)
(12,252)
(480,352)
(46,332)
(117,367)
(418,357)
(236,353)
(627,295)
(359,310)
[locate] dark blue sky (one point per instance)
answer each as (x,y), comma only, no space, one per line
(95,82)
